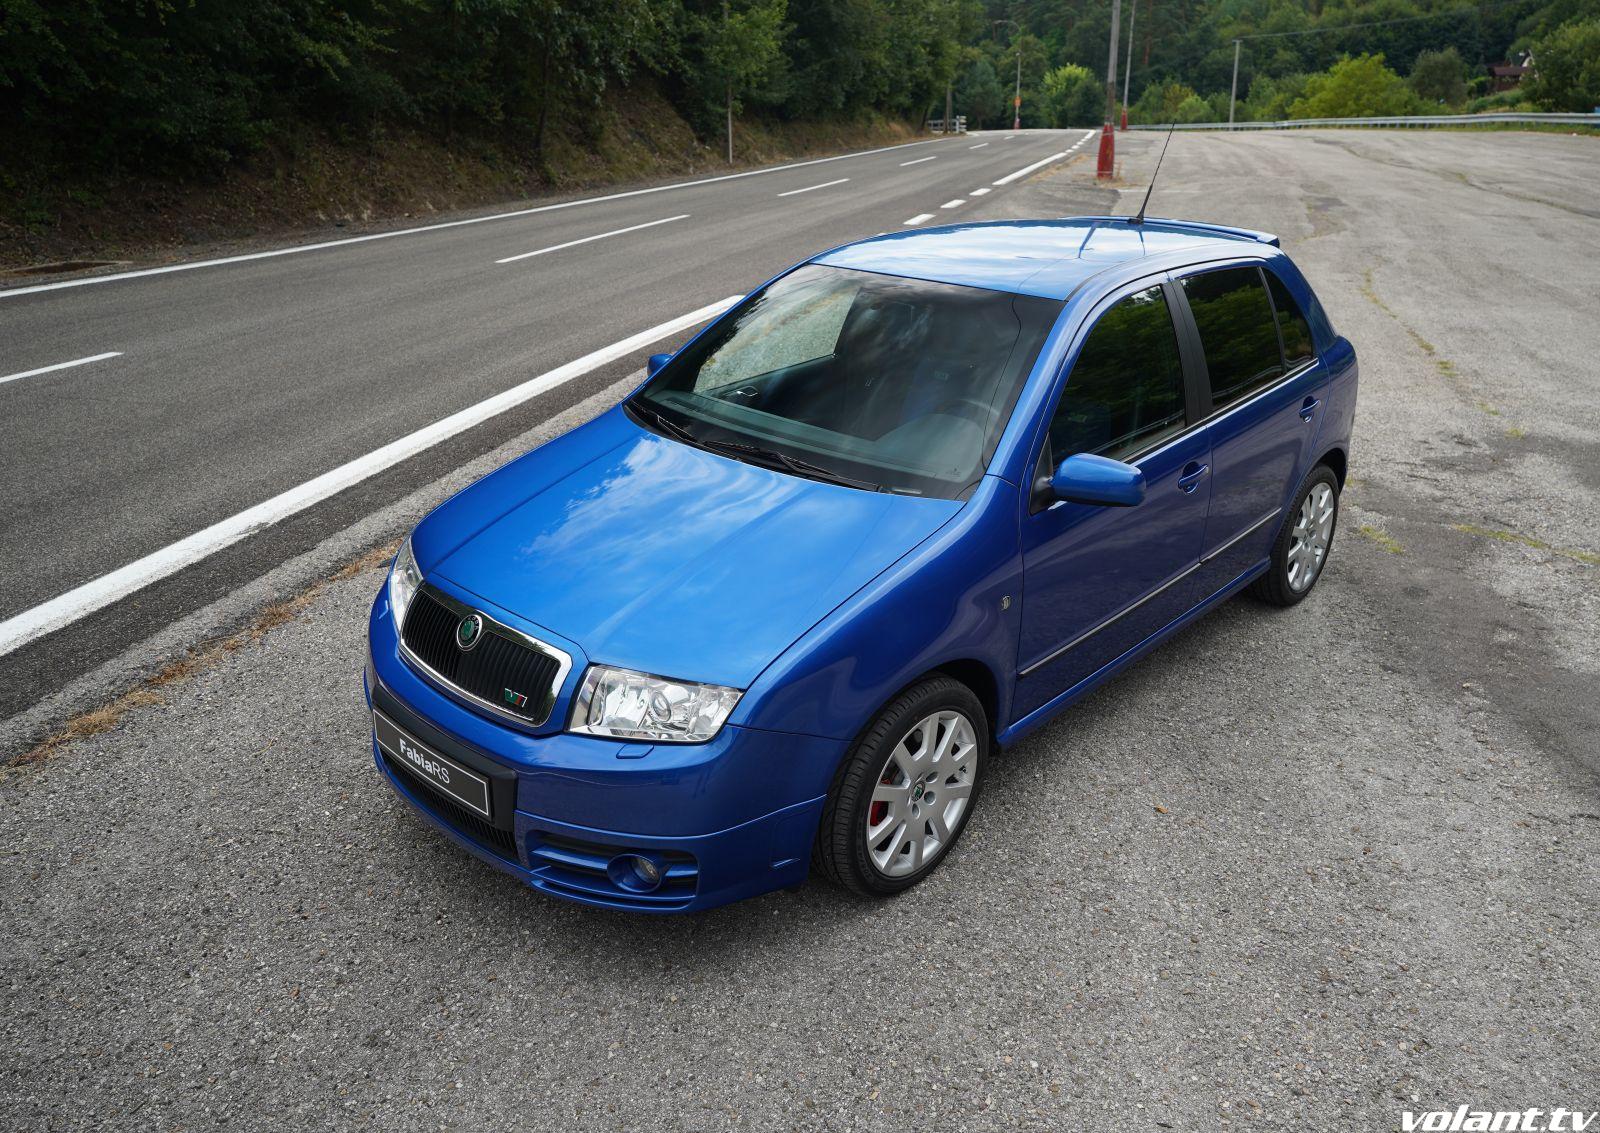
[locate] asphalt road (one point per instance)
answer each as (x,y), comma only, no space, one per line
(1299,869)
(235,382)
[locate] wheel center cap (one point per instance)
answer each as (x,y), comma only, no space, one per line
(917,791)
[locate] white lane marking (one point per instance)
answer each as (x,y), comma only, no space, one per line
(591,239)
(919,218)
(808,188)
(919,161)
(7,292)
(957,203)
(1008,137)
(980,192)
(91,596)
(61,366)
(1027,169)
(980,145)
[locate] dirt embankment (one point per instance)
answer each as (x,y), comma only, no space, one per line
(319,187)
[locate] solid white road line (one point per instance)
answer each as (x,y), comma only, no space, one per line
(980,192)
(8,292)
(808,188)
(919,218)
(1027,169)
(91,596)
(591,239)
(919,161)
(957,203)
(62,366)
(980,145)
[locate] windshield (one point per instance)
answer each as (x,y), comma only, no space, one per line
(872,380)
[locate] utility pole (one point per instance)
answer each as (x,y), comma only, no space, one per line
(730,87)
(949,108)
(1127,72)
(1106,166)
(1233,91)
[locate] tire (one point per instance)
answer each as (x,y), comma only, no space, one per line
(1305,539)
(871,845)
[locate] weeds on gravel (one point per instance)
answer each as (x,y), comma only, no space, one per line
(1588,557)
(106,717)
(1383,539)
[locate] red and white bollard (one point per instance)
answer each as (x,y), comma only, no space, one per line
(1124,119)
(1105,169)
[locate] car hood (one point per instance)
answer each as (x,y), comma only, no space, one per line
(662,557)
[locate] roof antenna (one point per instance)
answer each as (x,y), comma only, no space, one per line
(1139,219)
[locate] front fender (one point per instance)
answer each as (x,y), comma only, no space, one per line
(942,603)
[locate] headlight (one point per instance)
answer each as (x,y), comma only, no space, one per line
(404,578)
(626,705)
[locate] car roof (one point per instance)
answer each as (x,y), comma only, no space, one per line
(1047,258)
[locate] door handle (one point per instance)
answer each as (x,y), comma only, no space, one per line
(1308,407)
(1190,479)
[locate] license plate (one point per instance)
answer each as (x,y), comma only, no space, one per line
(440,772)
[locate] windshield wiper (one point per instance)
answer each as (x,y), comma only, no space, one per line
(756,453)
(793,464)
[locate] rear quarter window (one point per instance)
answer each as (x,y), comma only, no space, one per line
(1298,348)
(1238,331)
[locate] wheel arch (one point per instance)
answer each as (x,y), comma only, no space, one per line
(1336,459)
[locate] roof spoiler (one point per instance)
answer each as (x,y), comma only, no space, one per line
(1195,226)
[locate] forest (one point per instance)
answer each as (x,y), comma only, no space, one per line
(180,88)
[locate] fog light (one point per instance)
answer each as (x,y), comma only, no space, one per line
(635,873)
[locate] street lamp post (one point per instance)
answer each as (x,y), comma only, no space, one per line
(1016,104)
(1105,168)
(1233,91)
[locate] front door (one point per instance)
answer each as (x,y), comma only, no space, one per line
(1099,580)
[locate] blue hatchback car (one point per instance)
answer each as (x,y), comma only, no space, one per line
(778,610)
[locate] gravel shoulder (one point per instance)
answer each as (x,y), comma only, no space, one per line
(1299,869)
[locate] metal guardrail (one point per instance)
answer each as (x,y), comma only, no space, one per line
(1410,121)
(937,124)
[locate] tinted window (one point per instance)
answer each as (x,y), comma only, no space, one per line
(896,383)
(1297,348)
(1125,391)
(1236,328)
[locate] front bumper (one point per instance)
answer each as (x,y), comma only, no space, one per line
(726,820)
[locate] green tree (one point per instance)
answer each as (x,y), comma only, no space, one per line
(1358,87)
(978,94)
(1566,65)
(1073,96)
(1440,77)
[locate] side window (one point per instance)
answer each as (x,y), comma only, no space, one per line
(1297,347)
(1125,391)
(1235,321)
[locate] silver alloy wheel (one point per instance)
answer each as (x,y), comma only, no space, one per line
(1313,531)
(922,793)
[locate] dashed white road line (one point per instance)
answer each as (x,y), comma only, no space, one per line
(592,239)
(12,292)
(1027,169)
(919,218)
(980,192)
(980,145)
(61,366)
(919,161)
(808,188)
(957,203)
(91,596)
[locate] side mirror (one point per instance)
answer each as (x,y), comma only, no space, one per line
(1089,479)
(653,367)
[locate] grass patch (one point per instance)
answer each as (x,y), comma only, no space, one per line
(1587,557)
(1383,539)
(1516,432)
(149,693)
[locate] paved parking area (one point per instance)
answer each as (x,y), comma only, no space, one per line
(1300,869)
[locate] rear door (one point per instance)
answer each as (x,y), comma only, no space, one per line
(1264,388)
(1099,580)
